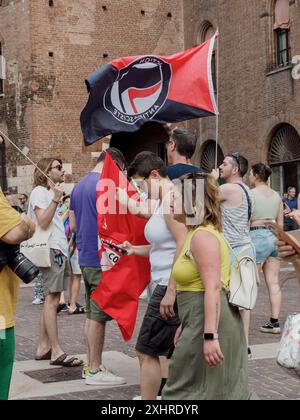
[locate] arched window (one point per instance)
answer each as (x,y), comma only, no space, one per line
(284,158)
(206,33)
(208,159)
(2,69)
(3,180)
(282,32)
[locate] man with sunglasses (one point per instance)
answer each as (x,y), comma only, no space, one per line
(237,206)
(43,208)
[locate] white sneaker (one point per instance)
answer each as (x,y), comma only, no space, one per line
(139,397)
(103,377)
(37,301)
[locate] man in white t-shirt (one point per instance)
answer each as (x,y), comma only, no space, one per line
(43,209)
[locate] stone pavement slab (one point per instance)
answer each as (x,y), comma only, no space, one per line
(24,386)
(269,380)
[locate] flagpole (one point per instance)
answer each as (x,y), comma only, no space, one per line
(4,136)
(218,113)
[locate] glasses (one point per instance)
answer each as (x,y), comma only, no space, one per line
(58,167)
(237,157)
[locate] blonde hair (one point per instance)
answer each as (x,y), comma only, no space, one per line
(45,164)
(212,199)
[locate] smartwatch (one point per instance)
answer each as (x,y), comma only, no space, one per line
(210,336)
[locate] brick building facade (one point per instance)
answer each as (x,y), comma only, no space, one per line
(49,47)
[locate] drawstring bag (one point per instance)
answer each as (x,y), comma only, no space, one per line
(244,281)
(289,351)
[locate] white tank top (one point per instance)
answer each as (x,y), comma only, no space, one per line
(163,247)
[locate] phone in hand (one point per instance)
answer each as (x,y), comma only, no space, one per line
(283,236)
(117,248)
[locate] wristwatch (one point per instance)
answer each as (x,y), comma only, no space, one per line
(210,336)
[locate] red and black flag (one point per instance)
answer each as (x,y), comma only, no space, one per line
(129,92)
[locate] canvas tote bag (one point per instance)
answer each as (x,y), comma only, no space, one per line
(37,249)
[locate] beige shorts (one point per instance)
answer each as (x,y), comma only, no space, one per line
(56,278)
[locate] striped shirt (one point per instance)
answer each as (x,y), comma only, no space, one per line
(236,226)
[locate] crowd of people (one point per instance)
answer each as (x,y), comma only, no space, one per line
(192,343)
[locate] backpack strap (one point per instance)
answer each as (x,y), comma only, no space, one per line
(249,201)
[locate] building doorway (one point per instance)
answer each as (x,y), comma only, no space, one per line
(284,159)
(151,137)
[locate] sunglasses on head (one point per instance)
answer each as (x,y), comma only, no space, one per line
(236,156)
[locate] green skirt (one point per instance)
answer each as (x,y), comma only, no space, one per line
(190,378)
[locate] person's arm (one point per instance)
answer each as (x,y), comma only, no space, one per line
(288,254)
(21,232)
(138,250)
(295,215)
(144,209)
(226,191)
(206,251)
(45,216)
(179,232)
(72,221)
(280,216)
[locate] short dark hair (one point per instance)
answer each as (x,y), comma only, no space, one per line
(263,171)
(25,195)
(185,141)
(115,154)
(146,162)
(241,162)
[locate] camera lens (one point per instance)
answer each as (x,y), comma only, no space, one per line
(23,268)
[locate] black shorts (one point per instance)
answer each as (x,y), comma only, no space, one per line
(156,336)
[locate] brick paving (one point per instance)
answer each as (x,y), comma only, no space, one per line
(269,380)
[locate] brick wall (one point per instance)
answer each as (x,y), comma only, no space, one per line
(64,44)
(252,103)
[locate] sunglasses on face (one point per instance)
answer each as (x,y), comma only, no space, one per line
(58,167)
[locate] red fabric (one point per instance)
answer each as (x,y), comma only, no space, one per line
(190,76)
(123,278)
(282,14)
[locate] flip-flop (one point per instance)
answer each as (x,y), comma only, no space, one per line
(66,361)
(46,356)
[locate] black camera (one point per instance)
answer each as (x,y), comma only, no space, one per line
(11,256)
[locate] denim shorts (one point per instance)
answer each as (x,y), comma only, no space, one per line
(265,245)
(245,250)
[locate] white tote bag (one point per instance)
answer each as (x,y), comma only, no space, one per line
(289,352)
(37,249)
(244,281)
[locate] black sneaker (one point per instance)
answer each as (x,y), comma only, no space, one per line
(250,356)
(271,328)
(62,307)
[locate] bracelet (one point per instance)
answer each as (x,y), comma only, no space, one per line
(56,202)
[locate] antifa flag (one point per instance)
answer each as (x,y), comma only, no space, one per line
(123,278)
(129,92)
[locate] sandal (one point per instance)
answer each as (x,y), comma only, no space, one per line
(66,361)
(46,356)
(79,310)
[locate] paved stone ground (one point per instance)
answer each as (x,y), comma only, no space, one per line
(267,379)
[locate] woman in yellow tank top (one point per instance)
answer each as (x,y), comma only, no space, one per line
(212,333)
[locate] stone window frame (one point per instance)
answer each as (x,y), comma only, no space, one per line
(273,56)
(204,28)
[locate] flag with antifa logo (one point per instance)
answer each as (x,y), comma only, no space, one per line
(131,91)
(123,278)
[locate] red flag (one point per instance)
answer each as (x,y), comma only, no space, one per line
(131,91)
(123,278)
